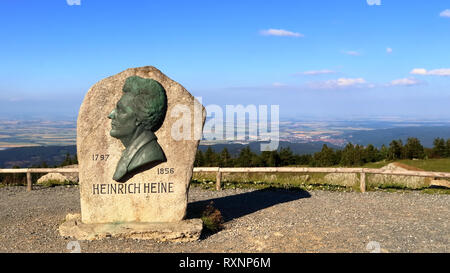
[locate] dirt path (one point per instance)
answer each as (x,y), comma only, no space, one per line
(256,221)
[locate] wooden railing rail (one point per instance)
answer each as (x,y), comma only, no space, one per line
(29,171)
(220,171)
(361,171)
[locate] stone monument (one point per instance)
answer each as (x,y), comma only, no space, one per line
(137,136)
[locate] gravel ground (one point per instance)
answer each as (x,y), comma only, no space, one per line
(255,221)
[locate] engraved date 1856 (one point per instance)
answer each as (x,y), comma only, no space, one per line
(166,170)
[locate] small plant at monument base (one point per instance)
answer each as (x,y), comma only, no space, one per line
(212,218)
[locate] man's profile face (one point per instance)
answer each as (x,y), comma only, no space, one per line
(123,118)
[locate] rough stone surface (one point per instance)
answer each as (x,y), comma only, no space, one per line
(73,177)
(440,183)
(52,177)
(412,182)
(182,231)
(61,177)
(351,179)
(93,137)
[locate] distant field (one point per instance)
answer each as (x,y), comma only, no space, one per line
(432,165)
(36,133)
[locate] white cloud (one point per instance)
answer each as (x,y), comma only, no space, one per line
(350,81)
(388,50)
(418,71)
(316,72)
(374,2)
(352,53)
(340,83)
(445,13)
(440,72)
(434,72)
(280,32)
(73,2)
(405,82)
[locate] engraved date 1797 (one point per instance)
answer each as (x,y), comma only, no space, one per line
(100,157)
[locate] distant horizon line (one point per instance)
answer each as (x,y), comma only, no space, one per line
(395,118)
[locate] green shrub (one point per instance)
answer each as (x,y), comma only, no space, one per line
(212,218)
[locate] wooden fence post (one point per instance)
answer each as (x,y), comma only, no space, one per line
(362,182)
(29,185)
(218,180)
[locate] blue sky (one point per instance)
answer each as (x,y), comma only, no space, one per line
(314,58)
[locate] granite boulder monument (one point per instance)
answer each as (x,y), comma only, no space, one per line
(137,136)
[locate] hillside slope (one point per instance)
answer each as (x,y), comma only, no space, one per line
(28,156)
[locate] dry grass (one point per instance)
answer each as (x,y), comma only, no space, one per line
(407,167)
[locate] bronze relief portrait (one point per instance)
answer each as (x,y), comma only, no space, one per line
(139,113)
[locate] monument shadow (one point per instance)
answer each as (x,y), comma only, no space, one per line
(235,206)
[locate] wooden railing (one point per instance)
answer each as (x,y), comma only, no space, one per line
(38,170)
(220,171)
(361,171)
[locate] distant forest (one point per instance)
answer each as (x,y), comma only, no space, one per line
(25,157)
(239,155)
(351,155)
(20,178)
